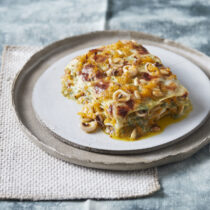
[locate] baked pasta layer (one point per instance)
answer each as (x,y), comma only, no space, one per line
(124,90)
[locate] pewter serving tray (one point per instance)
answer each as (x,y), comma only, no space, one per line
(57,146)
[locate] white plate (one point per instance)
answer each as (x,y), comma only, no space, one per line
(60,114)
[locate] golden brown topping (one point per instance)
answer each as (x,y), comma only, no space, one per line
(130,103)
(121,95)
(152,69)
(100,120)
(117,72)
(87,71)
(110,110)
(141,50)
(79,94)
(96,50)
(185,94)
(101,86)
(100,74)
(146,76)
(122,110)
(100,58)
(159,65)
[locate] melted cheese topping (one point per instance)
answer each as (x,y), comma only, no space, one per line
(123,88)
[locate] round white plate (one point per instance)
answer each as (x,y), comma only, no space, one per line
(59,114)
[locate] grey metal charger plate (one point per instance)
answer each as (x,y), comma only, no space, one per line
(51,143)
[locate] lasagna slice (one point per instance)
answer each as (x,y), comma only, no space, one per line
(124,90)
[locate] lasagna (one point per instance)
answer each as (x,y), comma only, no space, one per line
(124,90)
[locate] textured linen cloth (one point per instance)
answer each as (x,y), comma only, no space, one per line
(26,172)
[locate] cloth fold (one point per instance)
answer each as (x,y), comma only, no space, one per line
(26,172)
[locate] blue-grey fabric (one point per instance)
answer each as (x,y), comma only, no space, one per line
(185,21)
(185,185)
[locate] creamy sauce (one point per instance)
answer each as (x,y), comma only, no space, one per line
(163,123)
